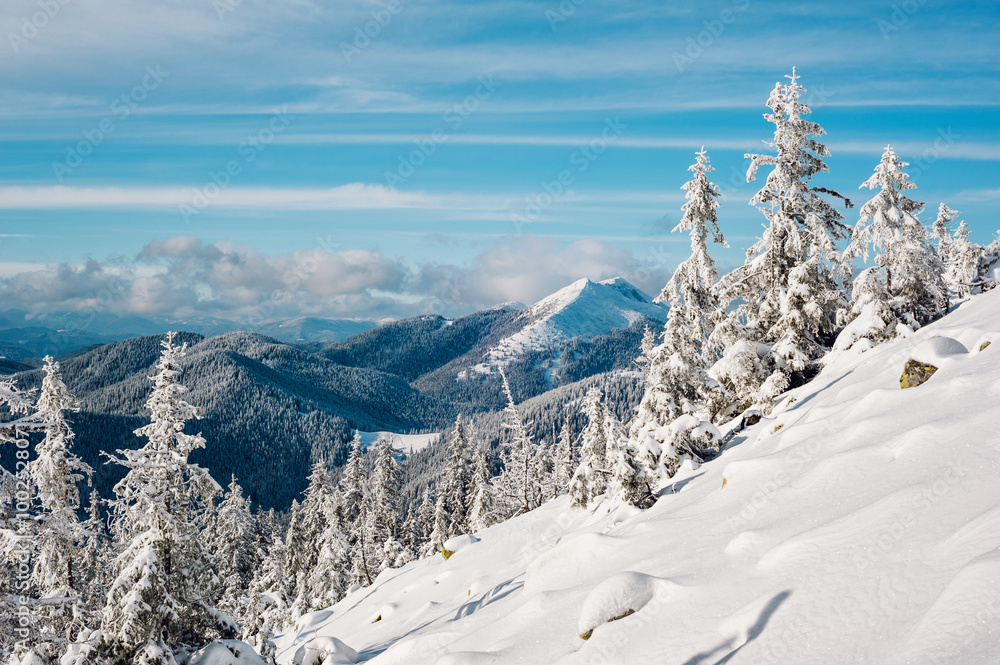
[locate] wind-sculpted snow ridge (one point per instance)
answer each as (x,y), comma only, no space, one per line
(584,309)
(856,523)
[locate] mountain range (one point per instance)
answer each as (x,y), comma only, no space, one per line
(271,407)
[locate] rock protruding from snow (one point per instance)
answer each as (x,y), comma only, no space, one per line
(324,651)
(915,373)
(620,596)
(927,356)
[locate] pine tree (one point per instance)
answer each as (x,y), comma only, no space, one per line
(964,271)
(518,483)
(565,457)
(386,480)
(591,477)
(482,512)
(157,600)
(439,534)
(424,522)
(941,232)
(318,561)
(791,298)
(907,269)
(457,484)
(57,473)
(352,483)
(232,538)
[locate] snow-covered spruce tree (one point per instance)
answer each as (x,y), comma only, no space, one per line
(439,533)
(565,457)
(158,599)
(941,233)
(269,594)
(318,517)
(424,522)
(18,631)
(385,483)
(364,551)
(963,273)
(232,538)
(352,484)
(56,473)
(93,557)
(677,382)
(456,487)
(789,291)
(905,288)
(482,512)
(591,477)
(518,487)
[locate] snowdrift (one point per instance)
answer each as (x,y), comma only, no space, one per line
(857,523)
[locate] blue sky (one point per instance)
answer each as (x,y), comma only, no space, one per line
(383,174)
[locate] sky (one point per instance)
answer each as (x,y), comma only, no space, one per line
(262,159)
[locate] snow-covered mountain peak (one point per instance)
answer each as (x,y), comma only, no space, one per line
(584,309)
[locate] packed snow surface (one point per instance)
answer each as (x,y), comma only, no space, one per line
(858,523)
(583,309)
(406,443)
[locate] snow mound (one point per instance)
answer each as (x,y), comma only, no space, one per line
(459,543)
(226,652)
(937,350)
(324,651)
(620,596)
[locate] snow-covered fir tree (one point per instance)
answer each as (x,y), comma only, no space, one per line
(565,457)
(790,297)
(424,521)
(18,631)
(318,517)
(439,531)
(518,488)
(904,289)
(384,504)
(57,473)
(456,486)
(591,476)
(232,538)
(963,272)
(941,230)
(158,598)
(482,512)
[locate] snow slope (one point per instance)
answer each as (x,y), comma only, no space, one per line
(583,309)
(859,523)
(407,443)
